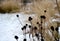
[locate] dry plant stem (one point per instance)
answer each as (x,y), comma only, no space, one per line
(20,21)
(58,11)
(57,6)
(32,30)
(17,39)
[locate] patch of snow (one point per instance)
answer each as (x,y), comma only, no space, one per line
(10,26)
(56,20)
(59,30)
(57,14)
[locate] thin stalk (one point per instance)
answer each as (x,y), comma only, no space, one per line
(41,29)
(17,39)
(20,22)
(53,36)
(32,30)
(58,32)
(57,6)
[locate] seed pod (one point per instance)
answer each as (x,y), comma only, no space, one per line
(26,24)
(16,37)
(43,17)
(35,28)
(42,39)
(37,22)
(37,35)
(29,26)
(30,19)
(22,28)
(17,15)
(56,29)
(24,40)
(52,28)
(45,11)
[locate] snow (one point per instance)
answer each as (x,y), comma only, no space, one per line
(11,26)
(56,20)
(57,14)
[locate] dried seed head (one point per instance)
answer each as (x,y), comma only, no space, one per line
(17,15)
(52,28)
(16,37)
(30,19)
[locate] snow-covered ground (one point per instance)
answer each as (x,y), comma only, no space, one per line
(11,26)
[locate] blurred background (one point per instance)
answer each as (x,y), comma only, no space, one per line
(10,24)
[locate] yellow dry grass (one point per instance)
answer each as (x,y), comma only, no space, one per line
(9,6)
(38,8)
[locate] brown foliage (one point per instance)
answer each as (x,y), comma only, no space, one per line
(9,6)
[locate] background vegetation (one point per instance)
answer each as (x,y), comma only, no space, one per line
(9,6)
